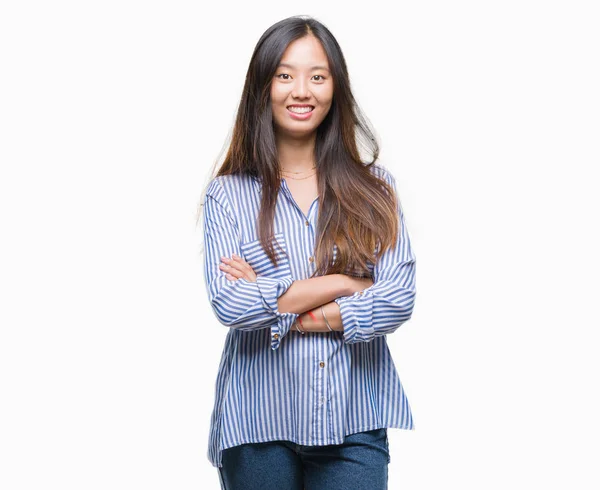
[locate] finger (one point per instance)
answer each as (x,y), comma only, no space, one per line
(236,263)
(234,274)
(233,262)
(240,263)
(244,268)
(227,269)
(236,269)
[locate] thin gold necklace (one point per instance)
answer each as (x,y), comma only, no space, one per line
(296,173)
(300,178)
(289,173)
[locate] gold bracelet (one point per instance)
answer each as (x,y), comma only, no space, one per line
(325,318)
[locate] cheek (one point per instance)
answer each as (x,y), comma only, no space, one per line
(326,103)
(277,96)
(325,97)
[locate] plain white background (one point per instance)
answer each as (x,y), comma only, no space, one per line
(112,115)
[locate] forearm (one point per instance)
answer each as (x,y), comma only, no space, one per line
(307,294)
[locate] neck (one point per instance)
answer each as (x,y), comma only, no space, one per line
(296,155)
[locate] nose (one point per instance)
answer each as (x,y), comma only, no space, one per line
(300,90)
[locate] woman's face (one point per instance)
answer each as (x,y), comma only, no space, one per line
(302,78)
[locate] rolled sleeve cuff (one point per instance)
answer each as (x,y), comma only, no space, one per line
(356,314)
(270,289)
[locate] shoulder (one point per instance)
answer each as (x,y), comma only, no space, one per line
(382,172)
(216,191)
(222,186)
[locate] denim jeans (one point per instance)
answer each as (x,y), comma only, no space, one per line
(361,462)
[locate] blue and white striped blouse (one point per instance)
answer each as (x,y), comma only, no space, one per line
(274,383)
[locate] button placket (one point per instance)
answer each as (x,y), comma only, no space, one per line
(323,382)
(309,239)
(321,412)
(311,262)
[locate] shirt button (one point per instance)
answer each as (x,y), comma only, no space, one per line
(276,336)
(360,292)
(310,259)
(322,364)
(306,223)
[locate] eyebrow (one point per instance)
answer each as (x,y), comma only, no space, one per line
(316,67)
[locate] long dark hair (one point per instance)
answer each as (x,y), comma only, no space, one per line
(358,212)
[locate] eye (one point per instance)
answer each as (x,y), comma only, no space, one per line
(321,77)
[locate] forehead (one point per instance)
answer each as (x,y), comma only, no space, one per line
(305,53)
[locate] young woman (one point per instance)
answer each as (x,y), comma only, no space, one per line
(308,262)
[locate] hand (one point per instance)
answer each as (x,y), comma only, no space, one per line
(236,268)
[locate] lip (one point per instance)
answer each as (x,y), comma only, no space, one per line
(301,117)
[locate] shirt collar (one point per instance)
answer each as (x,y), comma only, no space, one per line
(284,187)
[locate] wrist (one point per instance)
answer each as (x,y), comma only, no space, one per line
(325,319)
(299,326)
(346,288)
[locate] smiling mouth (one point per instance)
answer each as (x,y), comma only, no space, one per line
(300,109)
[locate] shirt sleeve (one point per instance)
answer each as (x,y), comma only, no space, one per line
(388,303)
(239,303)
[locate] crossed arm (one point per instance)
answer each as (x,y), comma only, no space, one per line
(245,301)
(306,294)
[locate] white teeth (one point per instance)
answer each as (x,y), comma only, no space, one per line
(300,110)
